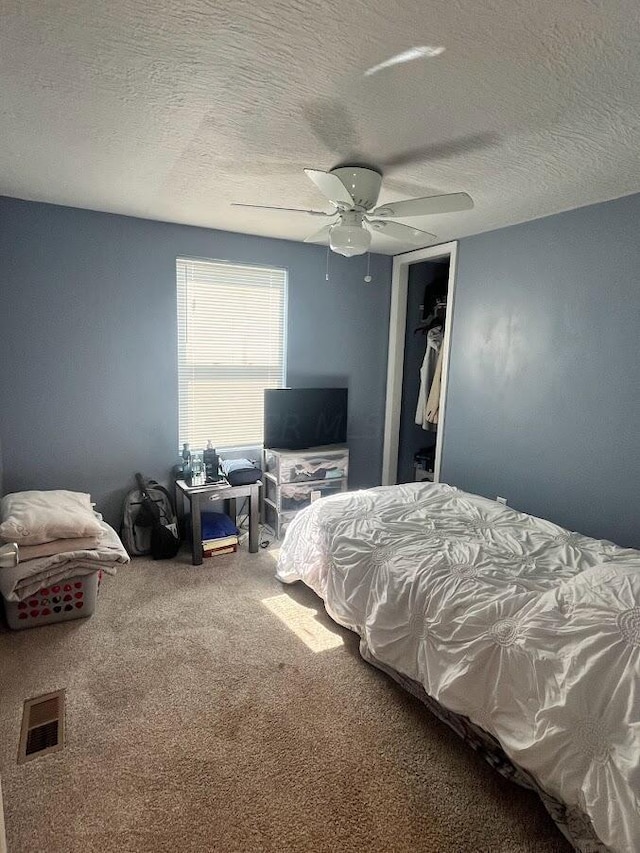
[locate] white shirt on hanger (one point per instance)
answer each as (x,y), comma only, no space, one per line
(427,374)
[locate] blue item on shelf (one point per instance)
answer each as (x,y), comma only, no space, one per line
(216,525)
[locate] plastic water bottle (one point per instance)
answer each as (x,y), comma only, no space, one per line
(197,469)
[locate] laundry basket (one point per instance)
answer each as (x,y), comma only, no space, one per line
(71,598)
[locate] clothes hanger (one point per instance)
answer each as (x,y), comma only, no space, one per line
(433,319)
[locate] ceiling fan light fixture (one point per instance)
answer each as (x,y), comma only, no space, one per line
(349,240)
(353,192)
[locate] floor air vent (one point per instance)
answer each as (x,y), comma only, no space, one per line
(42,726)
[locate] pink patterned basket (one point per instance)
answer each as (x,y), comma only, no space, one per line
(71,598)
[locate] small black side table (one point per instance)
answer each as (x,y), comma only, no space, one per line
(200,496)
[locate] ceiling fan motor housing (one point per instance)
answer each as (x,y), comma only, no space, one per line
(363,184)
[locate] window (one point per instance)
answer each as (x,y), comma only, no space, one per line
(231,346)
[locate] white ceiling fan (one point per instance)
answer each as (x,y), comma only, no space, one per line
(353,191)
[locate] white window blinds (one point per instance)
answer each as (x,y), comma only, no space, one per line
(231,346)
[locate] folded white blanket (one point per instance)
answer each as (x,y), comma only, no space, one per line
(23,580)
(34,517)
(58,546)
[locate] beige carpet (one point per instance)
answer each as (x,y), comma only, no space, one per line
(199,721)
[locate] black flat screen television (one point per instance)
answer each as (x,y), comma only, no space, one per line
(297,418)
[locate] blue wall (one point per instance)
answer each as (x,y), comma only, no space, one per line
(544,385)
(88,364)
(544,393)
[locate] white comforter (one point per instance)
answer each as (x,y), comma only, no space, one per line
(529,630)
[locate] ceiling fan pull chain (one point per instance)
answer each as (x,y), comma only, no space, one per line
(367,277)
(326,275)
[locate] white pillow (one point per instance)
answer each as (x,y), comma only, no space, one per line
(31,518)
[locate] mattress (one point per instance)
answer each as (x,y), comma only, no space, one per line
(528,630)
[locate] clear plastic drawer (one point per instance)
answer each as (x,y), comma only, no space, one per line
(306,466)
(296,496)
(277,521)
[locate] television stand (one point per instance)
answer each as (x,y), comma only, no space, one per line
(293,479)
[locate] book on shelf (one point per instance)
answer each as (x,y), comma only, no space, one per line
(214,552)
(219,542)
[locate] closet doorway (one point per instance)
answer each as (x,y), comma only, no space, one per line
(420,325)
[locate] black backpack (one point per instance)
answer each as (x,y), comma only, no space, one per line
(149,524)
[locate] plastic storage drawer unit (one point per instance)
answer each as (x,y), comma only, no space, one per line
(293,479)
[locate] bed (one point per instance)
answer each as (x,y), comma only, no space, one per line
(521,635)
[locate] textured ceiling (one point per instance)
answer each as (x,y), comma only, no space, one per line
(172,110)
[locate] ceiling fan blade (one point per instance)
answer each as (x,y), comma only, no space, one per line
(333,127)
(449,203)
(401,232)
(441,150)
(320,236)
(408,189)
(331,186)
(285,209)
